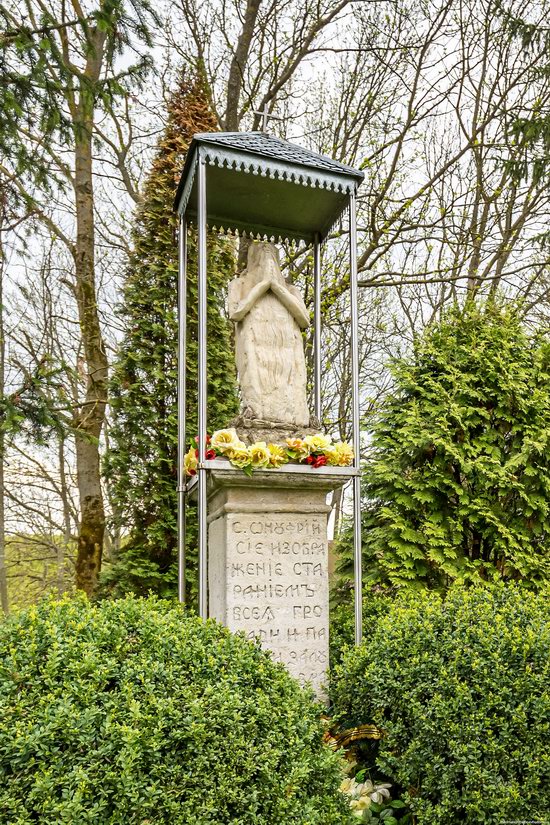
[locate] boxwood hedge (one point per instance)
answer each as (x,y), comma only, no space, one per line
(460,686)
(129,712)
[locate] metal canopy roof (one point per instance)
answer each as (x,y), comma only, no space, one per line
(266,187)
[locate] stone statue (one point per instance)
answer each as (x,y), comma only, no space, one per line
(269,315)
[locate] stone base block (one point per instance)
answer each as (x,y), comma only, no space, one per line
(268,562)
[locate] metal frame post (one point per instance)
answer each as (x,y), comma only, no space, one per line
(317,324)
(357,560)
(202,394)
(182,353)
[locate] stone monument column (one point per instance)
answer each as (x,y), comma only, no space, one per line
(268,565)
(267,534)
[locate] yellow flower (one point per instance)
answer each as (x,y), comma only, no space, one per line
(259,454)
(346,785)
(239,455)
(360,805)
(297,448)
(237,446)
(340,454)
(277,455)
(318,443)
(330,454)
(190,462)
(223,440)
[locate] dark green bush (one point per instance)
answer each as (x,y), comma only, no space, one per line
(342,620)
(129,712)
(461,687)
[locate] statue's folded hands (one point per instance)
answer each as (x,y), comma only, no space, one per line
(238,309)
(269,315)
(290,297)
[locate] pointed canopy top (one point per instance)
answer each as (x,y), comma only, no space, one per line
(266,187)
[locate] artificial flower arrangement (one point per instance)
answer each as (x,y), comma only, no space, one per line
(316,450)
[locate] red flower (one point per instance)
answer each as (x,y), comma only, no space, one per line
(209,454)
(316,460)
(208,439)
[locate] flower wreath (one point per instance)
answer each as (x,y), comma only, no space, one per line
(316,450)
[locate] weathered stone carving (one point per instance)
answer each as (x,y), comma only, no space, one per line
(269,315)
(268,565)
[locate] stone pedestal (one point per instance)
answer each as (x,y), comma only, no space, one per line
(268,560)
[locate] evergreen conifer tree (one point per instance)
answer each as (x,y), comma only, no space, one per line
(530,129)
(458,483)
(141,465)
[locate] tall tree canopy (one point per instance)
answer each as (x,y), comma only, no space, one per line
(141,464)
(458,483)
(531,128)
(457,90)
(63,69)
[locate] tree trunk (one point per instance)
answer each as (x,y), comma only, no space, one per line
(64,545)
(4,604)
(238,65)
(91,414)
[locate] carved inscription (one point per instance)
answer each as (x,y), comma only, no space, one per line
(277,588)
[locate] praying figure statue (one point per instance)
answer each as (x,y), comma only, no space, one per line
(269,315)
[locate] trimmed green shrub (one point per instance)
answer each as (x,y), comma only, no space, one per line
(131,712)
(461,688)
(342,620)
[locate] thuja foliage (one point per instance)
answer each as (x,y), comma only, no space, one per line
(459,685)
(458,483)
(141,464)
(129,712)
